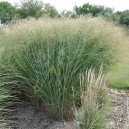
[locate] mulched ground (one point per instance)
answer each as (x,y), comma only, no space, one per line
(118,116)
(30,117)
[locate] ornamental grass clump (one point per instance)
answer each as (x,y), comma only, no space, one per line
(94,102)
(44,58)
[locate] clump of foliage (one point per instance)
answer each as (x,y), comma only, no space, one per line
(36,9)
(7,12)
(45,57)
(121,17)
(94,10)
(25,9)
(124,17)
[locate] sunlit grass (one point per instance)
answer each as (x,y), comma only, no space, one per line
(119,76)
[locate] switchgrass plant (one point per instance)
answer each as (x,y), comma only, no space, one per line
(94,101)
(45,57)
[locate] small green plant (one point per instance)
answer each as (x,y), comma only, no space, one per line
(94,102)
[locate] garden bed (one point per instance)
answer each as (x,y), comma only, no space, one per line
(31,117)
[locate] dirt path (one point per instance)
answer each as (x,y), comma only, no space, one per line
(30,117)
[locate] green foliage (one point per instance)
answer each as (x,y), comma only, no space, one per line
(115,17)
(36,9)
(32,8)
(28,8)
(93,9)
(7,12)
(124,17)
(121,17)
(68,14)
(50,10)
(94,100)
(45,57)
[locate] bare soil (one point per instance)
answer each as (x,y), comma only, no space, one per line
(118,116)
(30,117)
